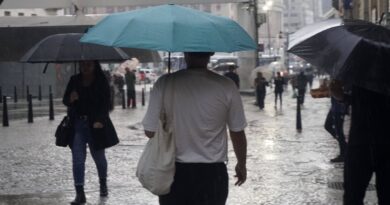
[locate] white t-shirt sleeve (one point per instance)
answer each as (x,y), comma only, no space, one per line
(150,121)
(236,116)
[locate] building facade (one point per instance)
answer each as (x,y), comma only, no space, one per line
(369,10)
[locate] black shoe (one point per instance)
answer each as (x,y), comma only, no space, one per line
(80,196)
(103,187)
(338,159)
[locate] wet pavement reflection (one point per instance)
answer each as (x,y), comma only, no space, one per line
(284,167)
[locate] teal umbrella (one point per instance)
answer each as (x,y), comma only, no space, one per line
(170,28)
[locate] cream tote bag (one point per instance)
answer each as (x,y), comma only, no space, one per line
(156,167)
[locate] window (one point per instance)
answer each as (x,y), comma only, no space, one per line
(20,14)
(33,14)
(7,13)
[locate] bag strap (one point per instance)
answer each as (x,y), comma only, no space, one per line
(168,95)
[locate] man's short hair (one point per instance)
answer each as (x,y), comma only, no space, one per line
(200,54)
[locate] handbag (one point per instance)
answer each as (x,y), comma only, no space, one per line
(156,166)
(64,132)
(320,93)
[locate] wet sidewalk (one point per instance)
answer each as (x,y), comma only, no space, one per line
(284,167)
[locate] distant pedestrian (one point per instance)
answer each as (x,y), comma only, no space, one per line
(112,88)
(130,84)
(87,97)
(119,82)
(233,75)
(205,103)
(310,78)
(261,90)
(301,86)
(279,88)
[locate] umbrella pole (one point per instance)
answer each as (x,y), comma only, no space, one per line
(169,62)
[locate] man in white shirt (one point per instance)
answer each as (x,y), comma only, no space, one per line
(204,104)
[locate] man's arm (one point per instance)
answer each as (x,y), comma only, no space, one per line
(240,149)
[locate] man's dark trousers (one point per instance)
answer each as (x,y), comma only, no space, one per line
(131,98)
(198,184)
(334,125)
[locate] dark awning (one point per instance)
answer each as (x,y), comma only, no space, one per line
(16,41)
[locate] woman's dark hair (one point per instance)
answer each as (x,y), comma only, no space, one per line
(101,78)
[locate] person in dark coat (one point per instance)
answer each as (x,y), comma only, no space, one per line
(368,149)
(130,84)
(301,86)
(233,75)
(87,97)
(279,83)
(261,91)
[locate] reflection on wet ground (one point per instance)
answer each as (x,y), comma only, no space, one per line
(284,167)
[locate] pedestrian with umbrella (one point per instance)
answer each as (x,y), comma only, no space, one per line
(205,103)
(357,53)
(87,97)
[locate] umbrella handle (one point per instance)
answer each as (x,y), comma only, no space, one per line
(169,62)
(45,68)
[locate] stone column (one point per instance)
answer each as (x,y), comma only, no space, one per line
(246,59)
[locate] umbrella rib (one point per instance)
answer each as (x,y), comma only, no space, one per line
(120,34)
(215,26)
(58,50)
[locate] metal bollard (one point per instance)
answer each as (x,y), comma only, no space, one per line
(30,110)
(5,112)
(51,107)
(123,99)
(143,96)
(299,118)
(40,93)
(15,95)
(28,92)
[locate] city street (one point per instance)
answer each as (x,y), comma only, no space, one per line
(284,167)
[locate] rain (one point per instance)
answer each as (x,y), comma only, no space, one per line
(311,76)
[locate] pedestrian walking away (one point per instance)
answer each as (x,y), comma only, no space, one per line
(130,84)
(233,75)
(87,98)
(261,90)
(205,105)
(301,86)
(279,84)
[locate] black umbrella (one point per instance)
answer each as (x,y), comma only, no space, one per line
(66,47)
(354,51)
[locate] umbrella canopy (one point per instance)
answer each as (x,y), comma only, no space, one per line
(61,48)
(170,28)
(354,51)
(265,71)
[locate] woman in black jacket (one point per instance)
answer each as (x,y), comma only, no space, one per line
(87,97)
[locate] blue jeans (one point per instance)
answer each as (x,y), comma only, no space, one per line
(79,153)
